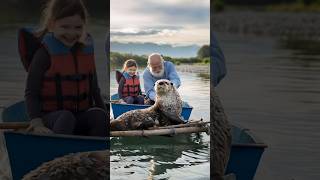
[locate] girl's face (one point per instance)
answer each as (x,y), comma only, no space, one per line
(131,70)
(68,30)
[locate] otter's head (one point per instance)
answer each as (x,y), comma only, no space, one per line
(163,86)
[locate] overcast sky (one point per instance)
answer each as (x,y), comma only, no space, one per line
(176,22)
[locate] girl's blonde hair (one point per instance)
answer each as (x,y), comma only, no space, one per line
(129,63)
(58,9)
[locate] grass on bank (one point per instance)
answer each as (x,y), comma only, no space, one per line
(294,6)
(298,6)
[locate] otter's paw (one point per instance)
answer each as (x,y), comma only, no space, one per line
(146,124)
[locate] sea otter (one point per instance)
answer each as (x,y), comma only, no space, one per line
(166,110)
(84,165)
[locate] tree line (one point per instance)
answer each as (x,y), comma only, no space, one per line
(203,56)
(219,5)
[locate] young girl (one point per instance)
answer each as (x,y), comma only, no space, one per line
(62,93)
(129,90)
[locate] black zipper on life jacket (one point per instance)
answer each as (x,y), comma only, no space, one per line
(134,88)
(73,52)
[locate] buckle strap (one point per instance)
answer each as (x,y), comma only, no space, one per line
(81,97)
(91,89)
(58,97)
(75,77)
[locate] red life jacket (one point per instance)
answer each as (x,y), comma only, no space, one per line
(67,83)
(131,86)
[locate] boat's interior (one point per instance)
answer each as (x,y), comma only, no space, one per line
(244,137)
(241,135)
(114,98)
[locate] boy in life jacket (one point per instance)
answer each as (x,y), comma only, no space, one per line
(129,90)
(62,93)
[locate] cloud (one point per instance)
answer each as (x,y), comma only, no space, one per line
(165,12)
(165,30)
(166,21)
(180,12)
(136,32)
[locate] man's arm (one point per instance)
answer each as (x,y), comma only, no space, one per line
(218,65)
(149,85)
(173,75)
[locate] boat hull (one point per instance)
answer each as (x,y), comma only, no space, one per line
(118,109)
(28,151)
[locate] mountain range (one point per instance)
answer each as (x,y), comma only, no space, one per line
(148,48)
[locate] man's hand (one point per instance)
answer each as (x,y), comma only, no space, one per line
(121,101)
(37,126)
(175,86)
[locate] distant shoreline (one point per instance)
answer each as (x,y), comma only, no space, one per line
(117,59)
(286,25)
(189,68)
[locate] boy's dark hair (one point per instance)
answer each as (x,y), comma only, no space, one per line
(129,63)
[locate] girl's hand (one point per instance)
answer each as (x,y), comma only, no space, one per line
(37,126)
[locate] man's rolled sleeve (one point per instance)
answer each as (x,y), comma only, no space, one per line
(149,85)
(173,75)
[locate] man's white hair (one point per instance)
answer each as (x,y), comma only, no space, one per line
(153,54)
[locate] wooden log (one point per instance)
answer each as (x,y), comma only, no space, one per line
(158,132)
(14,125)
(167,130)
(21,125)
(191,124)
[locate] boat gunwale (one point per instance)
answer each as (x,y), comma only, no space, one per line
(259,145)
(59,136)
(144,105)
(113,99)
(257,142)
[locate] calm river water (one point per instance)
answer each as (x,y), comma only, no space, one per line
(181,157)
(275,92)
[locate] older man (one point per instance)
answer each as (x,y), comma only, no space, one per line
(218,65)
(158,69)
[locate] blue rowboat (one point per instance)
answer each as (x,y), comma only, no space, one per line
(245,155)
(28,151)
(118,109)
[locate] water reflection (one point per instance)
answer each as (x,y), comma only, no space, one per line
(156,156)
(301,46)
(204,76)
